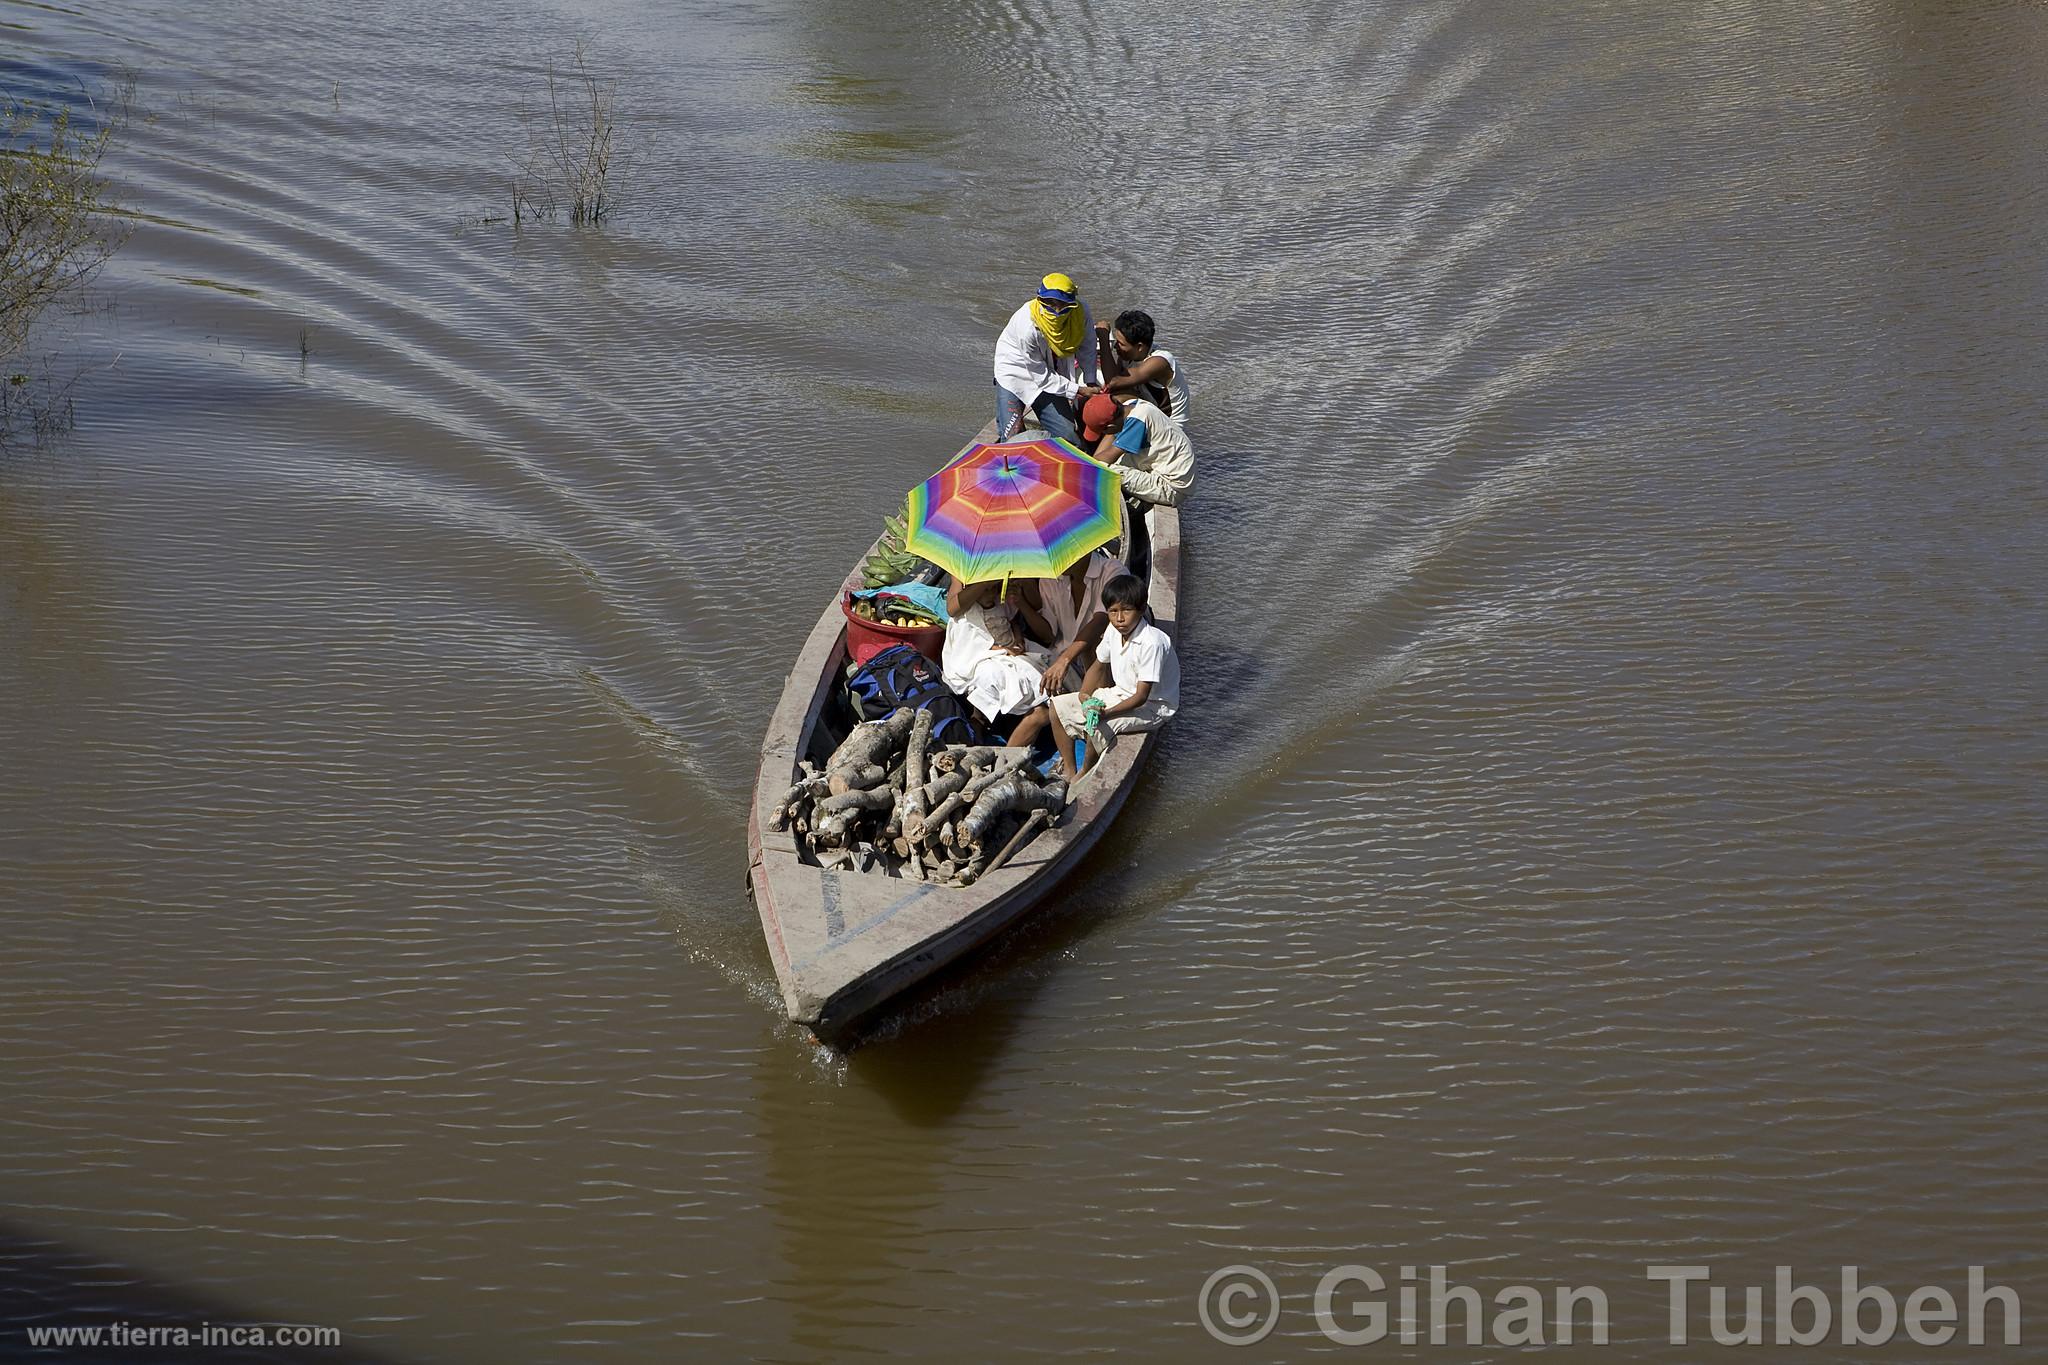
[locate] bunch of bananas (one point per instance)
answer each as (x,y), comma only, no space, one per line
(895,611)
(890,563)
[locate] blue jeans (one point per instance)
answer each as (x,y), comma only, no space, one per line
(1055,414)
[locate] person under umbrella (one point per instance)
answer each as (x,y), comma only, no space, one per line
(988,660)
(1046,362)
(997,518)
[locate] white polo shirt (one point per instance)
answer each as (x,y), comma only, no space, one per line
(1148,656)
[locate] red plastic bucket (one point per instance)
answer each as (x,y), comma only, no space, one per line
(866,639)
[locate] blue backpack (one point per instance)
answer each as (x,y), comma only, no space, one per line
(900,676)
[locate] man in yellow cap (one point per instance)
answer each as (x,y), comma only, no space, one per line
(1046,362)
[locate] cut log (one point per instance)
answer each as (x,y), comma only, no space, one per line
(934,822)
(981,782)
(966,758)
(939,788)
(857,778)
(797,800)
(918,802)
(873,743)
(837,829)
(1012,795)
(880,798)
(915,772)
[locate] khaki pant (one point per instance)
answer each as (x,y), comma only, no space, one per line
(1066,710)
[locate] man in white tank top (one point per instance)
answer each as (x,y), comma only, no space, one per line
(1138,369)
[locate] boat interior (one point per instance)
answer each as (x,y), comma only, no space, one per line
(840,710)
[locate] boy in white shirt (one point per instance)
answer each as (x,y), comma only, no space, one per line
(1133,685)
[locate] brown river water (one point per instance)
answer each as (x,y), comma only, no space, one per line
(1606,827)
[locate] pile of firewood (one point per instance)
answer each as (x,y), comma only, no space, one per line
(887,800)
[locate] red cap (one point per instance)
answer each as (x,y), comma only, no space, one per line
(1098,415)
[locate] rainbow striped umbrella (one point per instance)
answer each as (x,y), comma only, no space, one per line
(1024,509)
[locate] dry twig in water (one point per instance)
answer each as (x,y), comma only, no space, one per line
(573,149)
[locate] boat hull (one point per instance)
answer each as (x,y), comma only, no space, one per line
(844,944)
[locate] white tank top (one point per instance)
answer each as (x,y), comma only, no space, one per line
(1176,390)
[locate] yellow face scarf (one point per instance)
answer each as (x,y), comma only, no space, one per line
(1063,330)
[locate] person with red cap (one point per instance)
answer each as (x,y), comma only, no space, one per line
(1141,443)
(1046,361)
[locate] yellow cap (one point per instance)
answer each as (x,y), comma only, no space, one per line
(1058,283)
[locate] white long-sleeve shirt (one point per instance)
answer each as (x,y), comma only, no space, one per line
(1026,366)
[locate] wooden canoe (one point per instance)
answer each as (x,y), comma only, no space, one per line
(845,944)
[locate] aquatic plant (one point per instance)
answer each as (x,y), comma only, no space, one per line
(573,148)
(57,227)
